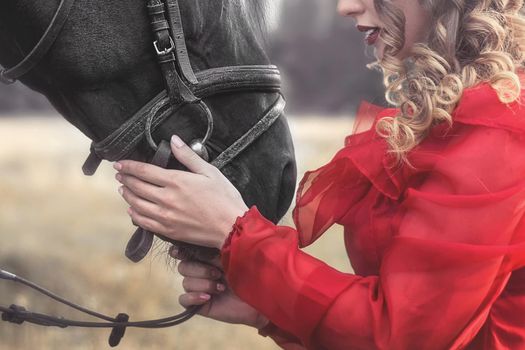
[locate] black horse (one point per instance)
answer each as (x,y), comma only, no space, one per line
(100,71)
(103,68)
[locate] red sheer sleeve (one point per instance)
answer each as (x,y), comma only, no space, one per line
(459,234)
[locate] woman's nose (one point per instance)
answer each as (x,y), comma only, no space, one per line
(350,7)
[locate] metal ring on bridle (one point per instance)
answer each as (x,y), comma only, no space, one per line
(209,118)
(149,137)
(209,131)
(5,80)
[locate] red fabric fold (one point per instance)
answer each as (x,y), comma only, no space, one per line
(325,195)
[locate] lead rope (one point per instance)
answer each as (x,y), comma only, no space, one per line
(18,314)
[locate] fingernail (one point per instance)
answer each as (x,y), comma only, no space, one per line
(117,166)
(118,177)
(204,296)
(130,211)
(221,287)
(121,190)
(177,141)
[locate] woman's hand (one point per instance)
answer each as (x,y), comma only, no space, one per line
(198,207)
(204,285)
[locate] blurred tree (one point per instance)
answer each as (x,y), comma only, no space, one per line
(323,57)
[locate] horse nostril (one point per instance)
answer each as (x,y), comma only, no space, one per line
(287,188)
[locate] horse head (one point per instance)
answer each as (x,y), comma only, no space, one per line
(102,69)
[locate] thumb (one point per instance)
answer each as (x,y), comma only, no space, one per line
(185,251)
(187,157)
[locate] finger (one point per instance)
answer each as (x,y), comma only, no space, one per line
(190,252)
(177,251)
(141,205)
(144,171)
(194,298)
(202,285)
(148,223)
(190,159)
(216,261)
(141,188)
(191,268)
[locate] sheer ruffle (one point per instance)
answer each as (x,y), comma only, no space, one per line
(326,194)
(480,105)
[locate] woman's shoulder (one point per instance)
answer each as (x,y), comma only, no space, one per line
(481,105)
(483,149)
(482,137)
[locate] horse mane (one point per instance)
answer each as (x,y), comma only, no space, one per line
(258,12)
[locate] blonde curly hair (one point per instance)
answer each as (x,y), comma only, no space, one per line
(472,41)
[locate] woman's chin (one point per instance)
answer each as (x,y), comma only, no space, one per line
(378,50)
(378,54)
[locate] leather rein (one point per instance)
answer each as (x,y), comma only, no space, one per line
(182,87)
(17,314)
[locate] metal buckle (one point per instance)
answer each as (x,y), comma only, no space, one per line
(165,51)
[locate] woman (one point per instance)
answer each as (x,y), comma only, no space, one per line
(431,197)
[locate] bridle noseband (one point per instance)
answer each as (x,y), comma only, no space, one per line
(182,87)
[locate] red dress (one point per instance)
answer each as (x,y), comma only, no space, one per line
(438,250)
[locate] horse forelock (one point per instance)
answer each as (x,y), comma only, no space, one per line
(261,14)
(264,12)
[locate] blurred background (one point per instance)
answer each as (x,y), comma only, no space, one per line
(67,232)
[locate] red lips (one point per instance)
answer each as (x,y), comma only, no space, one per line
(372,33)
(365,28)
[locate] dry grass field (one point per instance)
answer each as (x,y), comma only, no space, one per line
(68,232)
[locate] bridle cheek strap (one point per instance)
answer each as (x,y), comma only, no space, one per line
(171,50)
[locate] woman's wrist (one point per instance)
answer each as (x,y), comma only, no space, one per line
(229,226)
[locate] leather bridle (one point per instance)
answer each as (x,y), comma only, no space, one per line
(182,87)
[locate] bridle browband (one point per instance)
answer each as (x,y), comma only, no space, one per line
(183,87)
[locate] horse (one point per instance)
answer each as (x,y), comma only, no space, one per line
(104,71)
